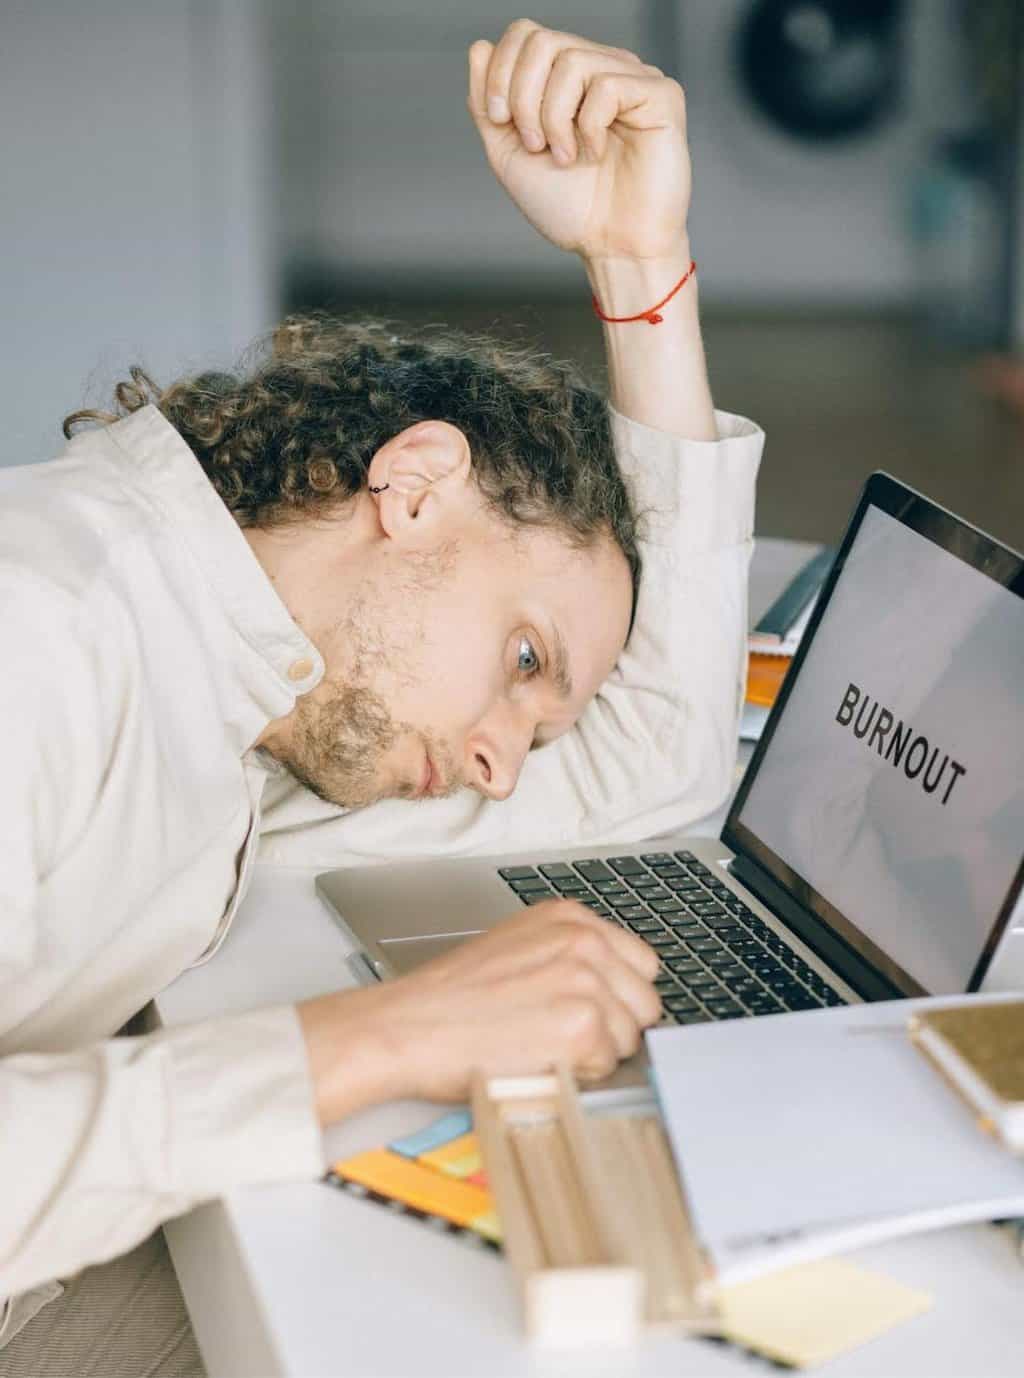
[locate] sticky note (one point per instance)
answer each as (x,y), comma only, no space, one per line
(442,1131)
(416,1186)
(459,1158)
(488,1225)
(814,1311)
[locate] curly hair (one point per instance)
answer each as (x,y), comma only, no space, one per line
(292,433)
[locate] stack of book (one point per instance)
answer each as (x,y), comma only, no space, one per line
(775,640)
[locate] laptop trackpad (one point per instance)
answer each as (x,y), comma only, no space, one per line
(406,954)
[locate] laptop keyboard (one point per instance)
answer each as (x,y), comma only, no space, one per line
(719,960)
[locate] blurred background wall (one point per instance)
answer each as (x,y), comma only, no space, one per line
(176,176)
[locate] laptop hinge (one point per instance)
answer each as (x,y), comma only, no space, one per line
(865,979)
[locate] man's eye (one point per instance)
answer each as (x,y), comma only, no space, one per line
(529,661)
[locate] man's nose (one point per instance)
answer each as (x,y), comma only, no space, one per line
(498,751)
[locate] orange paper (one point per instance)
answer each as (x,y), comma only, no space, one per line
(764,678)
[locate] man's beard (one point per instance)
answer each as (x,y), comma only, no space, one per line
(338,742)
(342,730)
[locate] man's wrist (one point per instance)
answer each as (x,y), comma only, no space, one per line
(352,1064)
(629,286)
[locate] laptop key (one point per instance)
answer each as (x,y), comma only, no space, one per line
(557,870)
(763,1004)
(706,908)
(651,892)
(704,945)
(633,911)
(657,859)
(678,1004)
(724,963)
(516,872)
(684,966)
(645,925)
(802,1001)
(724,1009)
(593,870)
(626,901)
(673,950)
(529,883)
(569,882)
(707,990)
(609,887)
(666,906)
(659,940)
(537,896)
(685,925)
(669,873)
(697,1017)
(685,886)
(627,865)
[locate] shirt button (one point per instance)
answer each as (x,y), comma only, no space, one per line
(300,669)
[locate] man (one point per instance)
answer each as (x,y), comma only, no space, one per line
(304,601)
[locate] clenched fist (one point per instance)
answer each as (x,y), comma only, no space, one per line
(588,141)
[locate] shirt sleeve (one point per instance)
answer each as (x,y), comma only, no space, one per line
(102,1143)
(107,1142)
(656,747)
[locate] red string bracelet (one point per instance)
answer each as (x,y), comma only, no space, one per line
(651,316)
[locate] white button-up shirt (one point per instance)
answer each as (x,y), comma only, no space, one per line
(144,651)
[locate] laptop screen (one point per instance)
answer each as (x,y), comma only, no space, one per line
(890,787)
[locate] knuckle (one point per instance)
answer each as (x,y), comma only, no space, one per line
(580,1024)
(539,38)
(575,59)
(585,980)
(587,946)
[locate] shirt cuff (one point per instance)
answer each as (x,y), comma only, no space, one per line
(691,495)
(243,1108)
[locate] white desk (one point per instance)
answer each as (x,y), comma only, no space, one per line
(306,1281)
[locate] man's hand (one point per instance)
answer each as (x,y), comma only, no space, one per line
(622,189)
(553,984)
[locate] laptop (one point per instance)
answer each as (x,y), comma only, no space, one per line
(875,847)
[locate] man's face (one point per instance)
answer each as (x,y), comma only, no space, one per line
(451,660)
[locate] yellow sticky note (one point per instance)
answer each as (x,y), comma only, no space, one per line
(814,1311)
(488,1225)
(416,1186)
(448,1156)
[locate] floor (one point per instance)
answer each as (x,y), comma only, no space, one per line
(837,398)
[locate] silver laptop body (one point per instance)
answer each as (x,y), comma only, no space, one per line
(875,847)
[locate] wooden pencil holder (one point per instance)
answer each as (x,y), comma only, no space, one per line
(595,1224)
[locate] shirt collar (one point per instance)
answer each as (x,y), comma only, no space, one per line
(271,661)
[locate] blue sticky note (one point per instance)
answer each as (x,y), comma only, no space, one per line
(435,1135)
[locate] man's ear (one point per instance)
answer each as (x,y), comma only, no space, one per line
(424,478)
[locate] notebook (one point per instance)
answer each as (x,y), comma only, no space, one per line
(828,1121)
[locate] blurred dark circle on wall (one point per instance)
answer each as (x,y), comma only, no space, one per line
(821,69)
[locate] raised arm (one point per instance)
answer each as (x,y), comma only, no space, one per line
(590,143)
(656,747)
